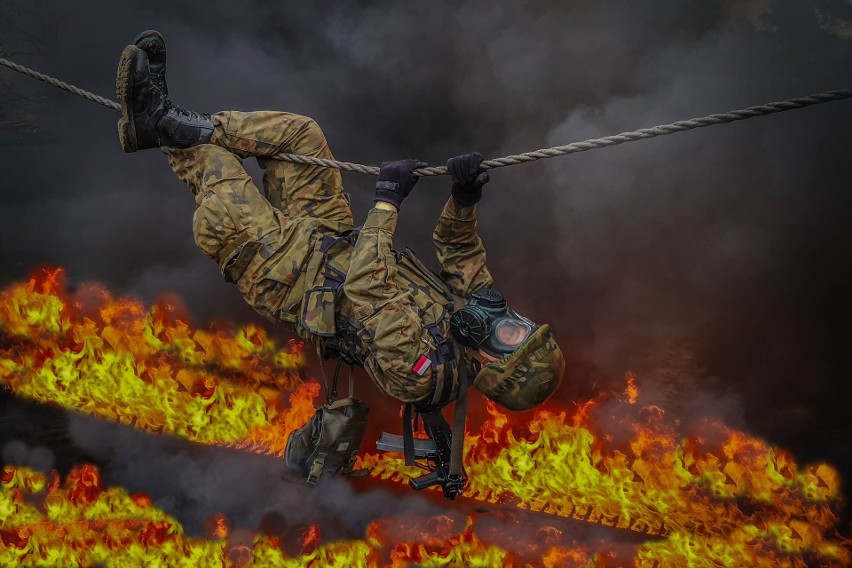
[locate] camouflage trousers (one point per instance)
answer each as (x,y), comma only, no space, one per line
(263,239)
(268,242)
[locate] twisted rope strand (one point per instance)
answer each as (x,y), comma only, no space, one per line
(60,84)
(573,148)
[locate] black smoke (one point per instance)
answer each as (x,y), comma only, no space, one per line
(715,264)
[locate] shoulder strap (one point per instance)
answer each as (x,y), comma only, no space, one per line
(443,358)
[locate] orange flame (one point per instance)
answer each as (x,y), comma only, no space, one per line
(311,538)
(720,496)
(217,526)
(111,527)
(140,367)
(631,392)
(743,500)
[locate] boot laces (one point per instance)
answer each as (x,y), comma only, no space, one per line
(171,107)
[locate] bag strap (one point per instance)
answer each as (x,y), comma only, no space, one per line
(331,394)
(334,380)
(321,357)
(408,434)
(460,416)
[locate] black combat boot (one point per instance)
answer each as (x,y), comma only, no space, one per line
(152,43)
(149,119)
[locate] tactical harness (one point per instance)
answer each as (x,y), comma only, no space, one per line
(330,440)
(342,341)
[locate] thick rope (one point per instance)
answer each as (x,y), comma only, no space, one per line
(60,84)
(591,144)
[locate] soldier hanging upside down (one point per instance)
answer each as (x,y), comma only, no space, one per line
(292,251)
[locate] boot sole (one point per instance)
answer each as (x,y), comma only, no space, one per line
(159,50)
(150,33)
(124,91)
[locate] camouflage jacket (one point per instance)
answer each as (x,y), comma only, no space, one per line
(399,309)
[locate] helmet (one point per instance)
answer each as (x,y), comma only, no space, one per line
(527,377)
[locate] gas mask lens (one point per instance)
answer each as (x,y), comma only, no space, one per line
(511,333)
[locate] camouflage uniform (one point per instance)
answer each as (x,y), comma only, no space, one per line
(269,244)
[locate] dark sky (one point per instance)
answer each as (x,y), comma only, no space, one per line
(716,264)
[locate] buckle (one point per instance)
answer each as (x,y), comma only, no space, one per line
(316,470)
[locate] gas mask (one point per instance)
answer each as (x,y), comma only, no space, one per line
(487,323)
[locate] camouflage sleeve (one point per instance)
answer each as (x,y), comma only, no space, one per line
(460,250)
(390,324)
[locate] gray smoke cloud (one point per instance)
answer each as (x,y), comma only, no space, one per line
(195,482)
(713,263)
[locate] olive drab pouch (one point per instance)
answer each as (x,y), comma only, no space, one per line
(329,441)
(318,317)
(318,311)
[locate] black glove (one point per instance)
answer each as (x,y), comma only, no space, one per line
(468,178)
(396,180)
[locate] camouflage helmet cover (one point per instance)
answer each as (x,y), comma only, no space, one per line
(527,377)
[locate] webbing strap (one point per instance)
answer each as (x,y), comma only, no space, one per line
(442,356)
(384,184)
(333,277)
(408,434)
(334,381)
(460,415)
(322,372)
(331,394)
(329,242)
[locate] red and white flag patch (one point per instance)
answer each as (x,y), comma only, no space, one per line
(422,365)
